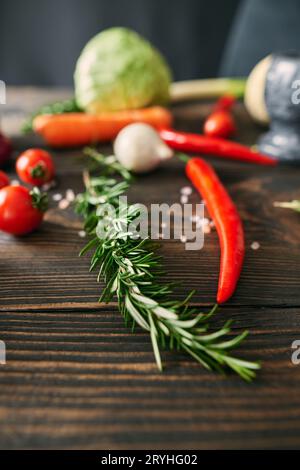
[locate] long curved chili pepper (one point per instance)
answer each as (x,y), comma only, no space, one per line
(196,143)
(227,221)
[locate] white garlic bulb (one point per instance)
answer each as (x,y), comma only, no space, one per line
(139,148)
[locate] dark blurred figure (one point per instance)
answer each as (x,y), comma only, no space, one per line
(40,40)
(261,27)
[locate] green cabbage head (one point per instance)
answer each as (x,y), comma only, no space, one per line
(117,70)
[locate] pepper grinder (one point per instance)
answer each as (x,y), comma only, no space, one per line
(283,105)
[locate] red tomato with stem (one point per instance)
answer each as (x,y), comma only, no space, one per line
(35,166)
(4,179)
(21,210)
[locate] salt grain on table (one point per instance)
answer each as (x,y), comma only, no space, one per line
(57,197)
(206,229)
(203,222)
(70,195)
(82,233)
(184,199)
(255,246)
(48,186)
(63,204)
(186,190)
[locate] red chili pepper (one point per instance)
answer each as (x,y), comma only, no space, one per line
(195,143)
(227,221)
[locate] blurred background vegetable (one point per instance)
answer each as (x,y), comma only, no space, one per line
(75,129)
(140,149)
(59,107)
(5,149)
(35,167)
(221,123)
(119,70)
(255,91)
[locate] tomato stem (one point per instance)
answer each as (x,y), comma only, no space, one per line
(38,171)
(39,200)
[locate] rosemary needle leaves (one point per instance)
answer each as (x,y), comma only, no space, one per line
(131,270)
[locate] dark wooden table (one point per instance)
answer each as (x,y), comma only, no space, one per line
(76,377)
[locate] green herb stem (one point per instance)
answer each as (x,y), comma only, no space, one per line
(131,270)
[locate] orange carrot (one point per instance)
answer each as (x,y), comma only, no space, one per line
(77,129)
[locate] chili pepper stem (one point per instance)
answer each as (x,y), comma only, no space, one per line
(183,157)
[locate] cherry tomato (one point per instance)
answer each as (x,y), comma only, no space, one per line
(35,166)
(5,149)
(21,210)
(4,179)
(220,124)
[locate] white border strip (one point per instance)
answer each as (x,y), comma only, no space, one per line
(2,92)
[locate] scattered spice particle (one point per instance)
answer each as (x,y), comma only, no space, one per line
(255,246)
(63,204)
(184,199)
(48,186)
(206,229)
(57,197)
(186,190)
(203,223)
(70,195)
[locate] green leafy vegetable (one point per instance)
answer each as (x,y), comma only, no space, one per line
(60,107)
(117,70)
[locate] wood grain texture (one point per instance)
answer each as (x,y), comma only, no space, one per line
(52,253)
(76,377)
(82,379)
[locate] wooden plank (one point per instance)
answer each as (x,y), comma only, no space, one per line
(76,377)
(83,380)
(45,268)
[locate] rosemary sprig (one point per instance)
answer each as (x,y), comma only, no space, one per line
(131,270)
